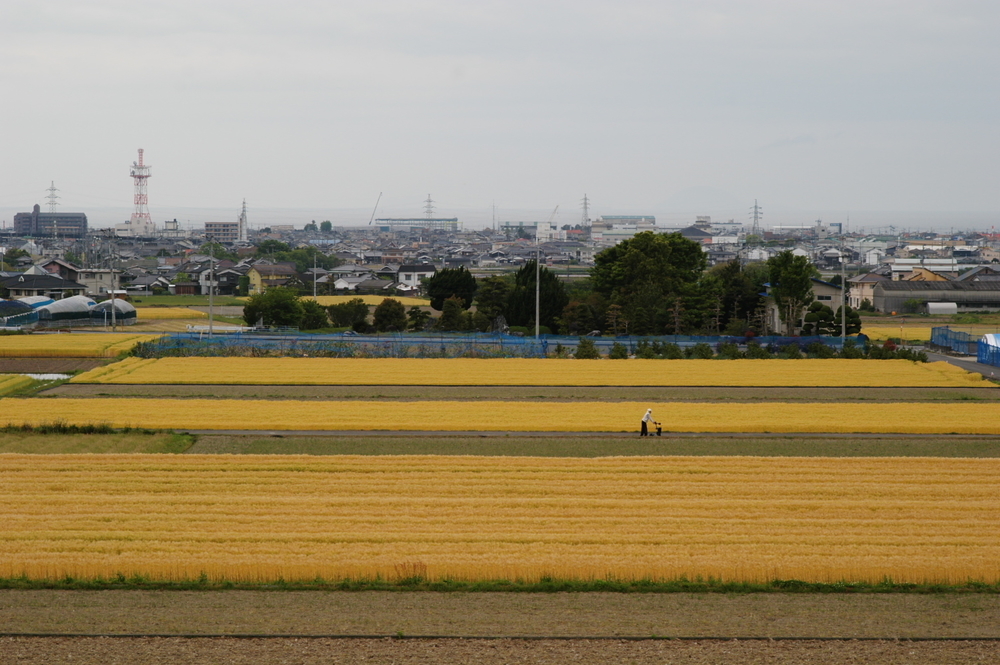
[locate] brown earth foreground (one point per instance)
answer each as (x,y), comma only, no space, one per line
(199,651)
(582,615)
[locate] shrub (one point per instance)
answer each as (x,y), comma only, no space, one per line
(645,351)
(791,352)
(820,350)
(586,349)
(851,350)
(701,351)
(757,352)
(729,351)
(672,352)
(618,352)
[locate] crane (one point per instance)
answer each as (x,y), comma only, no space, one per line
(375,209)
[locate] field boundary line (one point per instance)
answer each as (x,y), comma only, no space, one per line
(536,638)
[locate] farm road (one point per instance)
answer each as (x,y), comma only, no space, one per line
(583,615)
(212,651)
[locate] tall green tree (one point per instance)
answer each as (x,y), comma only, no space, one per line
(277,306)
(738,287)
(521,302)
(350,314)
(451,315)
(791,286)
(492,295)
(647,274)
(390,316)
(313,316)
(326,226)
(457,282)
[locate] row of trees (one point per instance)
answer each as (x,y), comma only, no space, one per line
(649,284)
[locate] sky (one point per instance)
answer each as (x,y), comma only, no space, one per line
(882,111)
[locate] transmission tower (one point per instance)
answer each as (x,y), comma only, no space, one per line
(52,196)
(140,174)
(429,207)
(756,214)
(585,204)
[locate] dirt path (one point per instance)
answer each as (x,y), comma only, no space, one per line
(584,615)
(208,651)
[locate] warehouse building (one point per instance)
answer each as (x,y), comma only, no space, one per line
(892,296)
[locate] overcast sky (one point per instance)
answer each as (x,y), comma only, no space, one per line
(885,109)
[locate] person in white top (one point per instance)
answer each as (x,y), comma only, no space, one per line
(646,419)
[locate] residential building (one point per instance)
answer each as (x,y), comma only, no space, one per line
(263,276)
(50,224)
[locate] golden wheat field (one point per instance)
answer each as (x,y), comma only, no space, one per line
(69,345)
(11,382)
(160,313)
(533,371)
(259,518)
(914,333)
(499,416)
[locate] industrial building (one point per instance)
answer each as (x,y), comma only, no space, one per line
(50,224)
(893,296)
(436,223)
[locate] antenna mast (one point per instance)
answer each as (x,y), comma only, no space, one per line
(586,211)
(140,174)
(429,207)
(52,196)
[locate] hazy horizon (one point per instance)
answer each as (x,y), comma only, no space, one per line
(676,108)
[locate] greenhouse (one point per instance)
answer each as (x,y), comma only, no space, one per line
(68,312)
(125,314)
(14,313)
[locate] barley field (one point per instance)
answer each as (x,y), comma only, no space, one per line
(161,313)
(69,345)
(261,518)
(502,416)
(534,372)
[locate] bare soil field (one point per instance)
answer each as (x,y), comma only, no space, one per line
(568,445)
(528,393)
(206,651)
(489,614)
(48,365)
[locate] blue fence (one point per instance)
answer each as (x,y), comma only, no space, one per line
(987,354)
(418,345)
(956,340)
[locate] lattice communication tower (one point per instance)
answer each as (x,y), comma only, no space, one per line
(140,174)
(429,207)
(586,210)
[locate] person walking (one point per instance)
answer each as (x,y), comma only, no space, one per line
(646,419)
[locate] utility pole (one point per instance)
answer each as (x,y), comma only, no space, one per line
(538,290)
(843,295)
(211,287)
(314,273)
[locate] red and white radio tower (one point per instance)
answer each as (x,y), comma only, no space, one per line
(140,174)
